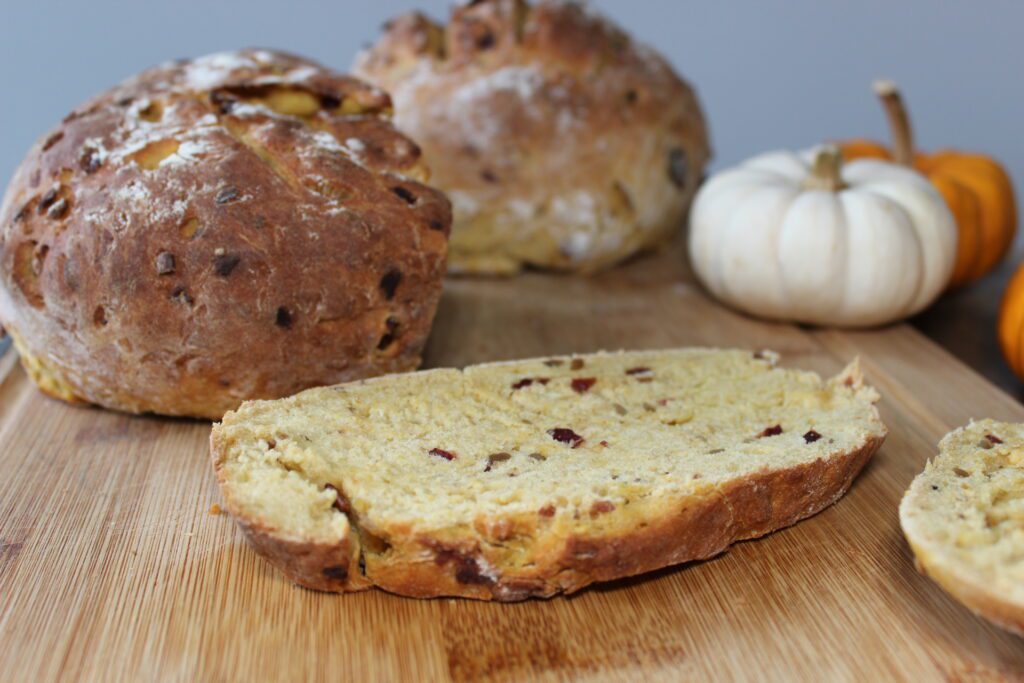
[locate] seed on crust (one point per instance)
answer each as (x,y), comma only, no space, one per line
(389,283)
(388,338)
(223,264)
(181,295)
(406,196)
(90,160)
(227,194)
(336,572)
(59,209)
(677,167)
(223,101)
(330,101)
(48,199)
(164,263)
(467,569)
(53,140)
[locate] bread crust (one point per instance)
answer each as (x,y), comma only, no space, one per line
(980,598)
(562,142)
(977,598)
(239,226)
(320,566)
(677,530)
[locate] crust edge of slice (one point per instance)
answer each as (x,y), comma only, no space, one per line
(980,599)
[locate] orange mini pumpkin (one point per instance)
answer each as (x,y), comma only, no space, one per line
(976,188)
(1011,323)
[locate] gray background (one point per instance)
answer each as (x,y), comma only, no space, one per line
(770,74)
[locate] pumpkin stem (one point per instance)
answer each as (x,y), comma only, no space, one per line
(899,122)
(826,170)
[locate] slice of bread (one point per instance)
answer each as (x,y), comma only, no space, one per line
(529,478)
(964,519)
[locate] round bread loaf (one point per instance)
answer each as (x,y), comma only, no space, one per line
(561,142)
(244,225)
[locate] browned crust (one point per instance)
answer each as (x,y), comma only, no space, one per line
(689,528)
(298,221)
(330,567)
(978,599)
(333,568)
(917,520)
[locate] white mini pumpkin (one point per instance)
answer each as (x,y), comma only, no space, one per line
(803,237)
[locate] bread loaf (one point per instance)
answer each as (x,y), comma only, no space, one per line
(530,478)
(964,519)
(244,225)
(562,142)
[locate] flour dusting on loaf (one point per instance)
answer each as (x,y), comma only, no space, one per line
(242,225)
(563,142)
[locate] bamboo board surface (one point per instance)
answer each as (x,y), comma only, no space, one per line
(112,566)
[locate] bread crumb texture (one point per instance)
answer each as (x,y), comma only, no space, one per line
(533,477)
(964,519)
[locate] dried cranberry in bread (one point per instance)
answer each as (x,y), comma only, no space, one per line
(244,225)
(561,142)
(530,478)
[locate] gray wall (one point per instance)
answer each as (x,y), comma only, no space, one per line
(770,74)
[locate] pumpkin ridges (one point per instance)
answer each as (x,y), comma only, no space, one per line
(1011,334)
(987,224)
(1011,323)
(1020,346)
(987,233)
(966,211)
(990,182)
(795,246)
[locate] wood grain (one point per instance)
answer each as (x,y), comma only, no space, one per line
(112,566)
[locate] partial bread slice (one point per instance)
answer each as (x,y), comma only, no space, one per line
(530,478)
(964,519)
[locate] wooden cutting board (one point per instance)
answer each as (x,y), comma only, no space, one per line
(112,566)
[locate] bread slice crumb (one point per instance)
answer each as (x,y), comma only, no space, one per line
(536,477)
(964,519)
